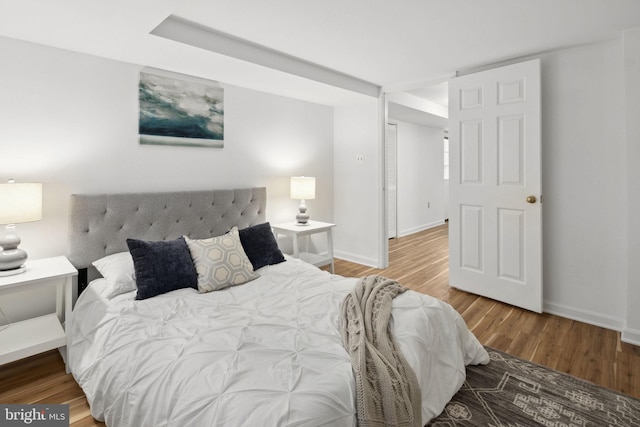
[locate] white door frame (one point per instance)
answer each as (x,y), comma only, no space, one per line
(392,210)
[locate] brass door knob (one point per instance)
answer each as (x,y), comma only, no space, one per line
(531,199)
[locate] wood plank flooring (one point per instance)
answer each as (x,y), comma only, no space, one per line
(420,262)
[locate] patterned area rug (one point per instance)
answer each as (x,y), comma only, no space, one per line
(510,392)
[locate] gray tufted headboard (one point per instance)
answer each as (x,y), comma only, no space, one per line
(100,224)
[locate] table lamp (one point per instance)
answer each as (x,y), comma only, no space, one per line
(303,188)
(19,202)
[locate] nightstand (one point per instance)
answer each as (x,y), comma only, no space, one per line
(39,334)
(296,231)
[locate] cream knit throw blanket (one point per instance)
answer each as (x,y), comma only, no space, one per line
(387,390)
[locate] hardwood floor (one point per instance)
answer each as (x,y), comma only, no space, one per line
(420,262)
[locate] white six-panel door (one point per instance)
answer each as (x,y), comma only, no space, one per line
(495,230)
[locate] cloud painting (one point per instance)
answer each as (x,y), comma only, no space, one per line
(180,111)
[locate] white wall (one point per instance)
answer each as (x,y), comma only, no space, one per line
(584,181)
(357,202)
(421,198)
(70,121)
(631,332)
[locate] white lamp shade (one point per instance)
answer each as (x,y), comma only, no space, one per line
(303,187)
(20,202)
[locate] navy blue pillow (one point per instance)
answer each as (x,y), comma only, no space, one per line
(162,266)
(260,245)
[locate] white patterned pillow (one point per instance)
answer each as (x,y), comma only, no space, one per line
(220,261)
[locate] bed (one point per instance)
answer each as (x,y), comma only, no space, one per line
(264,352)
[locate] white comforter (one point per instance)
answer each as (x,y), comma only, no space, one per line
(266,353)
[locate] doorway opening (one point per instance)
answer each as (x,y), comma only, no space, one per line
(416,160)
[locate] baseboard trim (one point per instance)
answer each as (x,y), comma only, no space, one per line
(630,336)
(585,316)
(419,228)
(346,256)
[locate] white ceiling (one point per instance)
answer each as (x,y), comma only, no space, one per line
(438,93)
(398,46)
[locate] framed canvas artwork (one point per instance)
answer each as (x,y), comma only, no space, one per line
(176,109)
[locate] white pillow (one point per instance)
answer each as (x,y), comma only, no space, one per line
(118,270)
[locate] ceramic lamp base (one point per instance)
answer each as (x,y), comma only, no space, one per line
(303,217)
(11,257)
(12,272)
